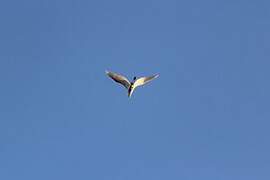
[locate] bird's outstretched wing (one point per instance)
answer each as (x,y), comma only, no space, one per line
(143,80)
(119,79)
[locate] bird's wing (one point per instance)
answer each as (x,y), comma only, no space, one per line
(143,80)
(119,79)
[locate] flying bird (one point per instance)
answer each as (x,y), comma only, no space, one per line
(130,86)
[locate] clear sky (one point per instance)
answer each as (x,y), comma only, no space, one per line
(206,117)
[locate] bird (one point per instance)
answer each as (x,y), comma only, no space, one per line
(130,86)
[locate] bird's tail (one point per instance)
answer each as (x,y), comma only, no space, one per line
(130,91)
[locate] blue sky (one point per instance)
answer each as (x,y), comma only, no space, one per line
(206,116)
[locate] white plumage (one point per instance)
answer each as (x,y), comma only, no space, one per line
(130,86)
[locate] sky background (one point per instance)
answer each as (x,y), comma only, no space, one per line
(206,117)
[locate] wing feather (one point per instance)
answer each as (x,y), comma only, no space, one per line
(143,80)
(119,79)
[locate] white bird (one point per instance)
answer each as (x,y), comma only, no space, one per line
(130,86)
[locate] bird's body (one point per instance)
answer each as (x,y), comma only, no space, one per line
(130,86)
(130,89)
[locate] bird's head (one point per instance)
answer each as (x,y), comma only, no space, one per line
(134,78)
